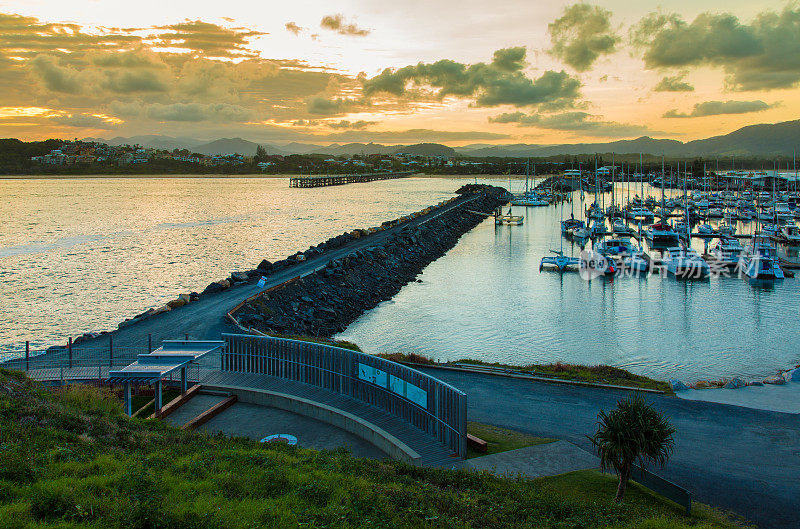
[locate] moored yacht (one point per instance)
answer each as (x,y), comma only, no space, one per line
(684,262)
(758,259)
(661,234)
(727,251)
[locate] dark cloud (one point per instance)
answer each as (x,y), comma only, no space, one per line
(581,35)
(82,121)
(716,108)
(293,28)
(324,106)
(572,121)
(762,55)
(509,59)
(337,23)
(355,125)
(204,38)
(500,82)
(219,112)
(673,84)
(55,77)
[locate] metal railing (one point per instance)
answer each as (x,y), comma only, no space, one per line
(434,407)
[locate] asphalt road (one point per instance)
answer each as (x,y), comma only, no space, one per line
(205,318)
(737,459)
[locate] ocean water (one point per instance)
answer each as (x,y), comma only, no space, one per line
(81,254)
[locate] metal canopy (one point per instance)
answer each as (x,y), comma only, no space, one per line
(151,368)
(172,355)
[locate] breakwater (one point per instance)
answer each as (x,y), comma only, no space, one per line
(326,301)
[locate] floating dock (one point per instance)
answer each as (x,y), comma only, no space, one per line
(342,179)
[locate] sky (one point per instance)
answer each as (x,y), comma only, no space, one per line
(457,72)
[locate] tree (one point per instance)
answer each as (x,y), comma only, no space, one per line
(261,154)
(633,432)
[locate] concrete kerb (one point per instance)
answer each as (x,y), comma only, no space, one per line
(359,427)
(534,378)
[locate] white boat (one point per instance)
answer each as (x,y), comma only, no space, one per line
(581,232)
(684,262)
(620,228)
(609,247)
(529,200)
(661,234)
(509,219)
(790,234)
(781,211)
(715,213)
(641,214)
(705,229)
(727,252)
(637,261)
(758,260)
(726,228)
(770,230)
(559,261)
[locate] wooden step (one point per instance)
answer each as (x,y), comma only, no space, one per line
(210,413)
(176,403)
(477,443)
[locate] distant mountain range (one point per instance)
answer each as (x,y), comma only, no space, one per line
(754,140)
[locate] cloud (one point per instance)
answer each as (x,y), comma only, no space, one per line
(56,77)
(509,59)
(336,23)
(293,28)
(324,106)
(204,38)
(762,55)
(500,82)
(414,136)
(220,112)
(356,125)
(716,108)
(82,121)
(572,121)
(581,35)
(673,84)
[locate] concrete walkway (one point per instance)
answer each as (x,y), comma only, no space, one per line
(547,459)
(191,409)
(256,422)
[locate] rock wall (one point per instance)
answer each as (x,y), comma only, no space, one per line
(324,303)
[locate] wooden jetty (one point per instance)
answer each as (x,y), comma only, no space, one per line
(342,179)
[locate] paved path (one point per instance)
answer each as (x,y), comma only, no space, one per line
(740,459)
(549,459)
(205,319)
(256,422)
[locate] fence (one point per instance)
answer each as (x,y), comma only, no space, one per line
(436,408)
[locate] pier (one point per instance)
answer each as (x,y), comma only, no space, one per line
(342,179)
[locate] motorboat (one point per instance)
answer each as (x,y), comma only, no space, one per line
(609,247)
(637,261)
(685,263)
(620,228)
(568,226)
(509,220)
(705,229)
(726,228)
(758,260)
(727,252)
(715,213)
(790,234)
(781,211)
(661,234)
(529,200)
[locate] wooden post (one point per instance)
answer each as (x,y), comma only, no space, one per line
(157,397)
(69,348)
(149,343)
(27,355)
(128,410)
(186,336)
(110,350)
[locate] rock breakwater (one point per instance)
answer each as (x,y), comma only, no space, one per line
(326,301)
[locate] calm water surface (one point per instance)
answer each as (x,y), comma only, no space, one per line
(82,254)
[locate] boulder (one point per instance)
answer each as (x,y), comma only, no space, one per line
(175,303)
(793,375)
(775,379)
(702,384)
(212,288)
(185,297)
(225,284)
(677,385)
(755,383)
(735,383)
(239,277)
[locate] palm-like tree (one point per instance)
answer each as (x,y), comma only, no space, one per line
(633,432)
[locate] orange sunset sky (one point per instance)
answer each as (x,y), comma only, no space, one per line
(453,72)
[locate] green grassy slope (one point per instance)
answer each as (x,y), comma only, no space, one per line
(70,459)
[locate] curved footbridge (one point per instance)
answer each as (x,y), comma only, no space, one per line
(408,415)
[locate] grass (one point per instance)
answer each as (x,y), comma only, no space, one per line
(138,401)
(318,339)
(500,439)
(72,459)
(600,374)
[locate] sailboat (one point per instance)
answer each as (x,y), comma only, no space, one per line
(560,261)
(507,219)
(529,197)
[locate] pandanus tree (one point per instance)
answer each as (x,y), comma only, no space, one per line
(633,432)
